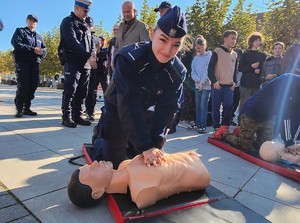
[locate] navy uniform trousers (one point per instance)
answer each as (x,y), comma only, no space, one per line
(75,89)
(28,80)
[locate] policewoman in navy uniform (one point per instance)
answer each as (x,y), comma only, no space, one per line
(29,49)
(79,55)
(147,81)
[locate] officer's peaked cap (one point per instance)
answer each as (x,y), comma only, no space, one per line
(173,23)
(89,21)
(84,4)
(32,16)
(163,5)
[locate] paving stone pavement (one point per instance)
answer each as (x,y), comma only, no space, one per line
(34,168)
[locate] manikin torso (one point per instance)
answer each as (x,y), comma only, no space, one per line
(180,173)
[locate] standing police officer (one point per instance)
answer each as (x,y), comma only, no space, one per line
(147,81)
(80,57)
(29,50)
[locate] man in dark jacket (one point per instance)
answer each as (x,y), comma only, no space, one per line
(29,50)
(80,58)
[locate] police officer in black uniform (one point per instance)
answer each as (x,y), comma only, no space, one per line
(80,57)
(28,52)
(98,75)
(147,81)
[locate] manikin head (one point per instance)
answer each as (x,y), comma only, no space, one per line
(168,35)
(271,151)
(87,185)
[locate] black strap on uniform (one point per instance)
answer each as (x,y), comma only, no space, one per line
(72,160)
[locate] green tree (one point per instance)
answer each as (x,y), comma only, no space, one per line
(147,15)
(99,30)
(51,65)
(281,22)
(207,17)
(7,64)
(243,21)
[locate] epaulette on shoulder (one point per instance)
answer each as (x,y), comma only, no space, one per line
(133,52)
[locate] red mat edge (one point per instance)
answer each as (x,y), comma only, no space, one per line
(292,174)
(113,207)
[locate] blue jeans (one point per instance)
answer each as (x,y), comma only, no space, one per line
(201,99)
(223,96)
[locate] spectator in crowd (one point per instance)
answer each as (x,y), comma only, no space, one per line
(80,57)
(250,65)
(131,30)
(163,8)
(202,82)
(236,91)
(111,47)
(98,75)
(221,69)
(272,65)
(29,50)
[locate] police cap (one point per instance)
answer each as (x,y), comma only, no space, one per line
(84,4)
(163,5)
(32,16)
(173,23)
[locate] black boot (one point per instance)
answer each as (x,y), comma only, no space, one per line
(19,113)
(69,123)
(27,111)
(81,121)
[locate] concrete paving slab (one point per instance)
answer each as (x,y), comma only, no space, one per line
(6,200)
(35,174)
(19,147)
(27,219)
(12,213)
(226,189)
(280,189)
(56,207)
(273,211)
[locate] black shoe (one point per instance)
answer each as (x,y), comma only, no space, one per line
(202,130)
(19,114)
(81,121)
(90,117)
(69,123)
(29,112)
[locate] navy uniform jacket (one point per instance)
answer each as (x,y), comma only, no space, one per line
(279,97)
(24,41)
(77,39)
(141,81)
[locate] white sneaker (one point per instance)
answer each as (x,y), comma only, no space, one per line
(184,124)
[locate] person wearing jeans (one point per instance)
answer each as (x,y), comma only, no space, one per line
(202,83)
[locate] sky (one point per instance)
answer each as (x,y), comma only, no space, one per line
(51,12)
